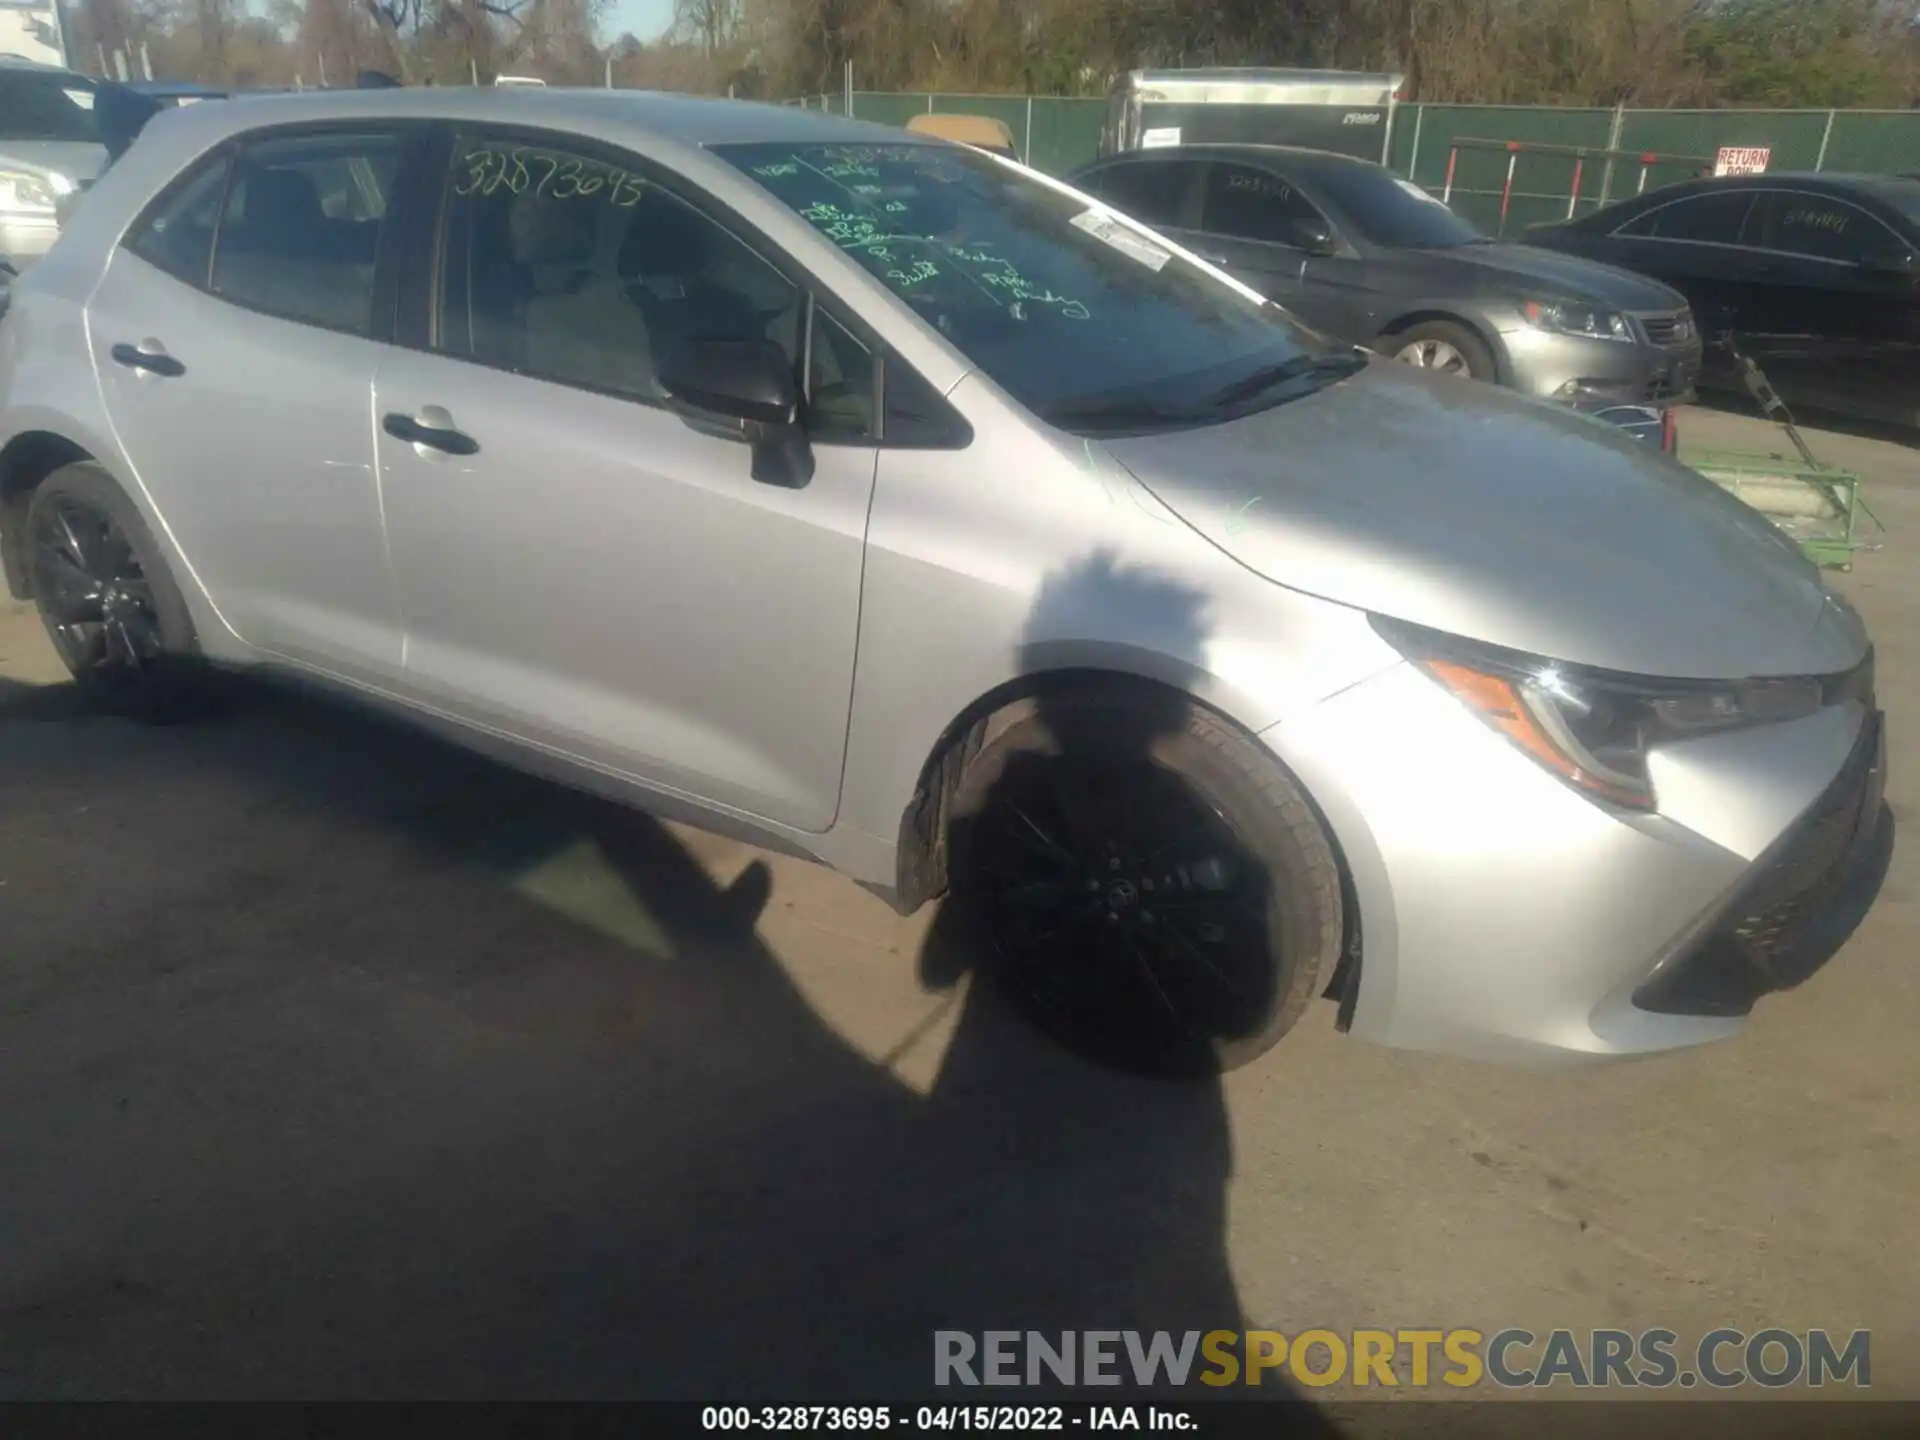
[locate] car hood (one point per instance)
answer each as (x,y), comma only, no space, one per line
(1546,274)
(1475,511)
(76,159)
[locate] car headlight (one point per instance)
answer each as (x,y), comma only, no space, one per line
(1588,322)
(1594,729)
(24,192)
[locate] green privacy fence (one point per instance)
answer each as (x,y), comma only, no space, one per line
(1057,134)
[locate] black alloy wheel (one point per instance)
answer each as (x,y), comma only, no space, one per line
(1157,897)
(112,610)
(97,600)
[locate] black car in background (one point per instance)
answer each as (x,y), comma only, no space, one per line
(1817,275)
(1361,254)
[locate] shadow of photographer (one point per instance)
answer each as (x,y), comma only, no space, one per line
(324,1096)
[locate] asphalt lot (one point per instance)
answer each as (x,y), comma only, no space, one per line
(334,1063)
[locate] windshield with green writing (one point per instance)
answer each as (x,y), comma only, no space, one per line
(1087,323)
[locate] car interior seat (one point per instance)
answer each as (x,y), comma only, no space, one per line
(580,326)
(668,262)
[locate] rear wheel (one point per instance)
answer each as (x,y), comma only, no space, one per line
(1445,348)
(1148,888)
(111,609)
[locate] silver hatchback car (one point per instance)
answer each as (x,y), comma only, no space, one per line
(887,502)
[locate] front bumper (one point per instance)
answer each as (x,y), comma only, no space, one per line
(1801,902)
(1503,916)
(1595,372)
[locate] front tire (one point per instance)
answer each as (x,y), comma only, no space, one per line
(110,606)
(1443,347)
(1144,883)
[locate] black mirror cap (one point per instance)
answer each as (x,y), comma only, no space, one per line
(1907,264)
(749,380)
(1314,238)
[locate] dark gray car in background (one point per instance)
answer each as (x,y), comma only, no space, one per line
(1356,251)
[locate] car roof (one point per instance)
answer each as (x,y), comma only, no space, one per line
(1297,157)
(21,64)
(1899,192)
(174,87)
(687,119)
(1838,181)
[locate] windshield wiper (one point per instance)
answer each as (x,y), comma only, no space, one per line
(1119,412)
(1302,367)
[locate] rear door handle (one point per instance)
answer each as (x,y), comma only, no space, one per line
(433,427)
(149,356)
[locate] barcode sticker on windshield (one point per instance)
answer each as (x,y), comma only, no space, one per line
(82,98)
(1160,138)
(1109,230)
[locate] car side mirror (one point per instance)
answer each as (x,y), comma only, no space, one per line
(748,384)
(1907,264)
(1314,237)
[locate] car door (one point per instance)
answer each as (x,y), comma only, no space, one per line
(1833,304)
(235,335)
(581,565)
(1696,245)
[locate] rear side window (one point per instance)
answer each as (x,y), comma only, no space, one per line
(1822,228)
(46,107)
(177,233)
(301,228)
(1153,192)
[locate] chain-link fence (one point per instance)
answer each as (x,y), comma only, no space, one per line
(1057,134)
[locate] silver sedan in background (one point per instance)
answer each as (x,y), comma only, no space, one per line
(1352,248)
(881,500)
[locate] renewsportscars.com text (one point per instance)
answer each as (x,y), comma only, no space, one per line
(1413,1359)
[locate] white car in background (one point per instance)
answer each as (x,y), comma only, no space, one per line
(50,148)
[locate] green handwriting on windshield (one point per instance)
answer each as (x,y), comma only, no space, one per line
(529,170)
(908,264)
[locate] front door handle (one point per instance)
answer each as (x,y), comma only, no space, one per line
(433,427)
(149,356)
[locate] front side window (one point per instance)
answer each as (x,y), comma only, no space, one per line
(301,228)
(571,268)
(1393,213)
(1250,204)
(1062,305)
(1821,228)
(1712,219)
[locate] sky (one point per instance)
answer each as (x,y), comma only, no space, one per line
(645,18)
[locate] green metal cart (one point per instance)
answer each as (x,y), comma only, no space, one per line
(1816,506)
